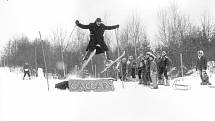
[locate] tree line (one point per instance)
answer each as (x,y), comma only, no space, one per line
(64,53)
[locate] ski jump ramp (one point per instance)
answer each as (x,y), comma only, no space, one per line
(91,84)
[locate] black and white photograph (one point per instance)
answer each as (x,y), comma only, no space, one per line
(107,60)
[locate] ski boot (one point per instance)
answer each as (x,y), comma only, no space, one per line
(108,62)
(208,83)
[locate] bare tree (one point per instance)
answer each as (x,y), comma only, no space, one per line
(173,25)
(134,34)
(207,25)
(60,39)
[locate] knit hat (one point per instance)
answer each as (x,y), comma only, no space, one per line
(98,20)
(201,52)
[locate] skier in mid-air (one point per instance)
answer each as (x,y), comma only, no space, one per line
(96,38)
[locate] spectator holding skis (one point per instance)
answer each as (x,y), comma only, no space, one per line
(148,79)
(201,64)
(26,69)
(153,71)
(97,42)
(164,65)
(122,69)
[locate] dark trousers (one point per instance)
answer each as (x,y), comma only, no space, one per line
(26,72)
(133,72)
(140,72)
(162,71)
(200,73)
(140,75)
(148,79)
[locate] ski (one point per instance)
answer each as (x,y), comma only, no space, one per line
(113,62)
(87,61)
(211,86)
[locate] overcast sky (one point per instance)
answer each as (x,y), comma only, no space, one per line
(27,17)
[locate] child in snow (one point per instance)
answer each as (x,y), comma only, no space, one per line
(26,69)
(205,78)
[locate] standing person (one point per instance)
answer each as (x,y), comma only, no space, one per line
(201,64)
(153,71)
(26,69)
(122,69)
(164,65)
(148,79)
(97,42)
(131,68)
(140,67)
(144,71)
(158,62)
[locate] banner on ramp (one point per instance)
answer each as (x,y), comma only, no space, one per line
(91,84)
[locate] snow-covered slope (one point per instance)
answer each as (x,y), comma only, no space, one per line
(29,100)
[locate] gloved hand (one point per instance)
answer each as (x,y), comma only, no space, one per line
(76,22)
(117,26)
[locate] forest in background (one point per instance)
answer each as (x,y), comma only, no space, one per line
(62,52)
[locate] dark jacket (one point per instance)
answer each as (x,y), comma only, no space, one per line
(26,67)
(163,62)
(148,64)
(122,67)
(158,62)
(201,63)
(96,36)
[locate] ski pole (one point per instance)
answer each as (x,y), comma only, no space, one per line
(72,31)
(44,58)
(116,33)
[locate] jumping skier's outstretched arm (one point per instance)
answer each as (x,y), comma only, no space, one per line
(81,25)
(111,27)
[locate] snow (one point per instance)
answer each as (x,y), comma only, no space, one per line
(30,100)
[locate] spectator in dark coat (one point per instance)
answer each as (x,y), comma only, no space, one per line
(201,63)
(26,69)
(163,65)
(158,62)
(96,37)
(141,68)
